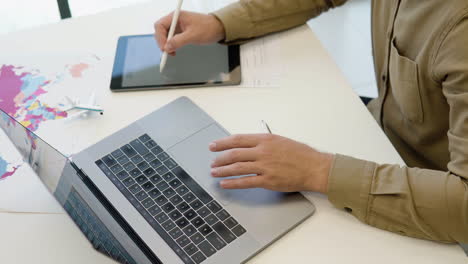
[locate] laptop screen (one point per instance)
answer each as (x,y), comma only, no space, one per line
(57,173)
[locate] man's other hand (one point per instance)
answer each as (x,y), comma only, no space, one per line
(276,163)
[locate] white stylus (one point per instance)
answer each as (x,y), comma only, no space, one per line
(175,19)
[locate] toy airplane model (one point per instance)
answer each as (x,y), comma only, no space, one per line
(83,109)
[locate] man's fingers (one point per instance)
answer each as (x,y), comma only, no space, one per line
(243,183)
(236,169)
(235,155)
(161,28)
(178,41)
(236,141)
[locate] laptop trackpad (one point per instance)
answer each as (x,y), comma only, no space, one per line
(195,157)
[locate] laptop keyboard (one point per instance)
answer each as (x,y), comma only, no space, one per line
(189,220)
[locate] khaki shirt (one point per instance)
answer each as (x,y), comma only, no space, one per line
(421,64)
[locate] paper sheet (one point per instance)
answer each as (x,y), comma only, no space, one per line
(260,66)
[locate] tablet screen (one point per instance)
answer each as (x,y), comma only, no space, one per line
(138,59)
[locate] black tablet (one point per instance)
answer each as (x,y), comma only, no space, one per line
(137,60)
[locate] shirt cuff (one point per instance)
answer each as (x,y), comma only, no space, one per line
(236,21)
(349,184)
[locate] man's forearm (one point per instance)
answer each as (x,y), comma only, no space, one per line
(252,18)
(420,203)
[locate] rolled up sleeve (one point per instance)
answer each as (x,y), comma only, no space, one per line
(247,19)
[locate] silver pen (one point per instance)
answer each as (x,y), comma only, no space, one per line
(266,128)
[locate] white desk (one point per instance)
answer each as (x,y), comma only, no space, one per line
(314,104)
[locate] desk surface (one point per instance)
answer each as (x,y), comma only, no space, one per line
(313,104)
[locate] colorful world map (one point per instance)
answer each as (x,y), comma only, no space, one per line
(20,97)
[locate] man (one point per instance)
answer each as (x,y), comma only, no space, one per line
(421,64)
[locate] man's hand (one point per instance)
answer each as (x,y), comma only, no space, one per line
(280,164)
(192,28)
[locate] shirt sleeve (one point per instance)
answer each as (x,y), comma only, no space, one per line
(247,19)
(417,202)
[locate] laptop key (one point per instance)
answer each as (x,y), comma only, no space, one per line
(216,240)
(196,238)
(135,172)
(224,232)
(197,222)
(205,230)
(192,185)
(157,150)
(128,150)
(148,202)
(175,200)
(151,144)
(162,217)
(189,197)
(141,195)
(116,168)
(122,160)
(198,257)
(147,186)
(154,210)
(238,230)
(170,163)
(142,165)
(117,153)
(149,172)
(128,182)
(129,166)
(162,170)
(136,159)
(154,193)
(109,161)
(174,215)
(168,225)
(175,233)
(203,212)
(222,215)
(196,204)
(163,156)
(183,207)
(230,222)
(211,219)
(135,188)
(190,249)
(168,207)
(169,192)
(122,175)
(207,248)
(155,179)
(190,214)
(175,183)
(183,241)
(160,200)
(162,186)
(141,179)
(214,207)
(139,147)
(144,138)
(149,157)
(168,176)
(182,190)
(104,168)
(189,230)
(182,222)
(155,163)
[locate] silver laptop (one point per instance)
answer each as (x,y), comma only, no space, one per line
(145,194)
